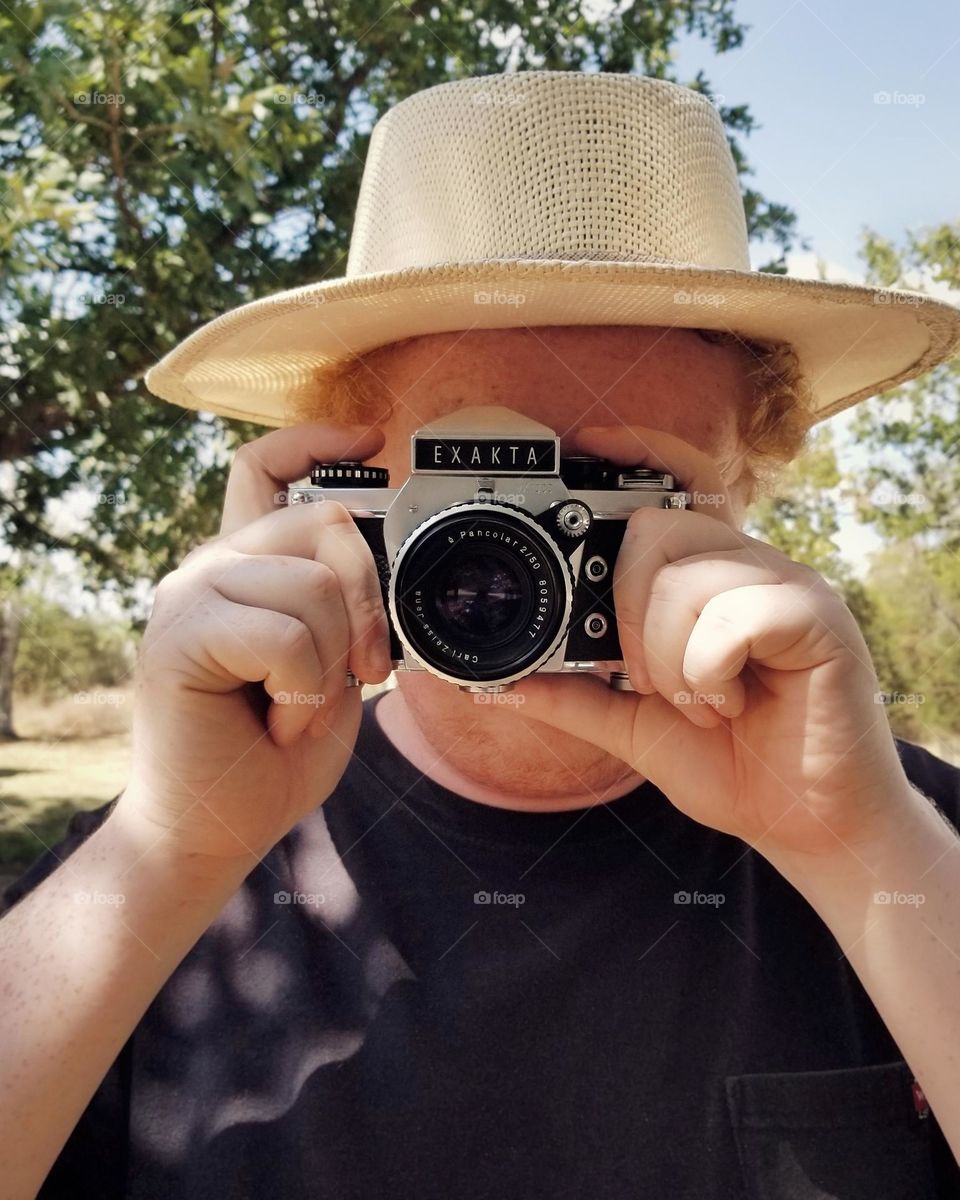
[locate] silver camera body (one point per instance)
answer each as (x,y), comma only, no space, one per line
(496,556)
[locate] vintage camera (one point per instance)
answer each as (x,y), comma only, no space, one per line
(496,556)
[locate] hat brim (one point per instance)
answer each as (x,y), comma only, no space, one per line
(851,341)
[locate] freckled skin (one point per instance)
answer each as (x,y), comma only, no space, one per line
(567,377)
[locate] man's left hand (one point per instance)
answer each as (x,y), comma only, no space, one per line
(756,708)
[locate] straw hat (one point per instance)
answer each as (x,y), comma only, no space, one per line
(551,198)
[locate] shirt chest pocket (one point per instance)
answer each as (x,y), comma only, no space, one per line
(851,1134)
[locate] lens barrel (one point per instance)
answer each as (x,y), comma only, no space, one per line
(481,593)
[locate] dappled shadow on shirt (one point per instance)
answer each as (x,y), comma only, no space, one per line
(255,1010)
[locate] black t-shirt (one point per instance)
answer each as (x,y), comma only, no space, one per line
(415,995)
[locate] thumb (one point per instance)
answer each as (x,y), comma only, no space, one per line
(646,732)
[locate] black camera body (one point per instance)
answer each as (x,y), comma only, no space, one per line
(496,556)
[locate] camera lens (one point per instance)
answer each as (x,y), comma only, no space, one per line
(480,593)
(481,597)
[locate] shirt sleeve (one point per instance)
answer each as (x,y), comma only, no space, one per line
(937,779)
(93,1162)
(79,828)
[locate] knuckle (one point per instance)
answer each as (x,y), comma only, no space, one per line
(294,639)
(322,582)
(169,590)
(332,512)
(368,605)
(247,454)
(642,520)
(669,577)
(198,553)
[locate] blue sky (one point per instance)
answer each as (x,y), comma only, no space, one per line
(810,73)
(842,156)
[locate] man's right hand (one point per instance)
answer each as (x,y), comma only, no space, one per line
(284,601)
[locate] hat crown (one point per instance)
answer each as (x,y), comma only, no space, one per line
(549,165)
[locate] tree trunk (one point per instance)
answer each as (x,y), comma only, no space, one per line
(9,636)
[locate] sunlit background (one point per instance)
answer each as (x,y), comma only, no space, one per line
(163,163)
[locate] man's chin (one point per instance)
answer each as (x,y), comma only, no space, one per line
(489,738)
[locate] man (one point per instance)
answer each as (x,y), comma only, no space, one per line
(697,939)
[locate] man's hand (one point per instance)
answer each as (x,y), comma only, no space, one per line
(287,598)
(757,714)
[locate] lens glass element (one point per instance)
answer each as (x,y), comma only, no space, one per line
(481,596)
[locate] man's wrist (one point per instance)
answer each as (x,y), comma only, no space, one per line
(905,818)
(144,847)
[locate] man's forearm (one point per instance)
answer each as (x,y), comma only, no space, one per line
(83,956)
(893,905)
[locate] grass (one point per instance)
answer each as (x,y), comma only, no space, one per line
(72,754)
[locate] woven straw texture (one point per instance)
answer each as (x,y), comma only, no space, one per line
(551,198)
(589,172)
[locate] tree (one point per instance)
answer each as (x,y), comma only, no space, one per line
(910,492)
(906,487)
(165,161)
(802,519)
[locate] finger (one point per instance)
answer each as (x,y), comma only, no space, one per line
(262,468)
(235,644)
(695,471)
(326,533)
(787,627)
(653,538)
(644,731)
(679,593)
(309,591)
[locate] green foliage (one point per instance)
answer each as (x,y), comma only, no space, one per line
(166,161)
(912,486)
(801,519)
(907,489)
(60,653)
(917,594)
